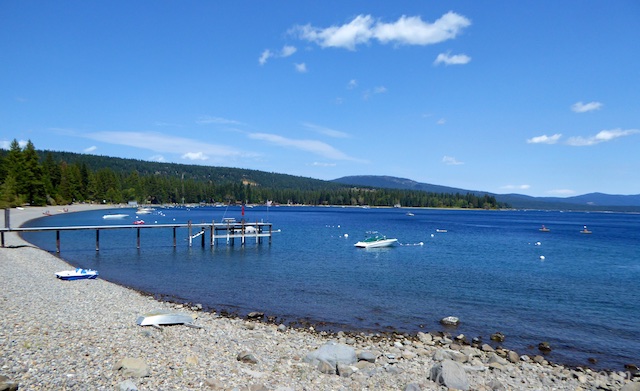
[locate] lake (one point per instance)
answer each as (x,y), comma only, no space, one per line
(494,270)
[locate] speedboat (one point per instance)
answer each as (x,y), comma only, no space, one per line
(115,216)
(544,229)
(376,240)
(77,274)
(585,230)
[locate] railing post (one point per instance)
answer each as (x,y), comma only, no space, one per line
(138,237)
(58,241)
(7,219)
(97,240)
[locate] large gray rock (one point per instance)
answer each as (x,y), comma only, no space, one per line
(333,353)
(450,374)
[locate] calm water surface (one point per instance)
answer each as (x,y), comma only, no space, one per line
(583,297)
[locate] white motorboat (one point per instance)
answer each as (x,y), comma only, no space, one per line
(115,216)
(77,274)
(375,240)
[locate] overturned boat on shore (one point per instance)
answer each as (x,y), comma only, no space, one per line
(162,317)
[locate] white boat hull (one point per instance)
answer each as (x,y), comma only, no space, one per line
(77,274)
(377,243)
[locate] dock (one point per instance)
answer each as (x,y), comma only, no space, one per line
(228,231)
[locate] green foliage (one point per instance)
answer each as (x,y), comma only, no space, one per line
(62,177)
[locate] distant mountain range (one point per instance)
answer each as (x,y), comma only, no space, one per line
(591,201)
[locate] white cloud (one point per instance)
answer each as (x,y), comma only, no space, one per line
(451,161)
(313,146)
(287,51)
(407,30)
(516,187)
(580,107)
(264,56)
(561,192)
(157,158)
(448,59)
(301,68)
(544,139)
(377,90)
(90,149)
(326,131)
(204,120)
(195,156)
(352,84)
(601,137)
(320,164)
(162,143)
(441,121)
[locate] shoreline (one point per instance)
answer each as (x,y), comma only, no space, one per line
(43,313)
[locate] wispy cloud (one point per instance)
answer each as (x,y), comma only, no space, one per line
(407,30)
(313,146)
(451,161)
(377,90)
(90,149)
(325,131)
(544,139)
(580,107)
(448,59)
(162,143)
(601,137)
(264,56)
(286,51)
(205,120)
(516,187)
(301,68)
(321,164)
(353,83)
(441,121)
(561,192)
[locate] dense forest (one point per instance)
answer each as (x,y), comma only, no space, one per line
(32,177)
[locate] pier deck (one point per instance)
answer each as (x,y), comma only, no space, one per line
(227,230)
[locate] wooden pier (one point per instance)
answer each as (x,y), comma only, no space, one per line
(229,230)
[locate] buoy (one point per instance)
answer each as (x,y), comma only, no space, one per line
(538,243)
(432,235)
(542,257)
(346,235)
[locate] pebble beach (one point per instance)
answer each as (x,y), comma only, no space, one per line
(83,335)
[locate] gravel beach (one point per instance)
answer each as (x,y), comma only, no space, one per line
(82,335)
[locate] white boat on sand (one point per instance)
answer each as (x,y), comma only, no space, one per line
(77,274)
(375,240)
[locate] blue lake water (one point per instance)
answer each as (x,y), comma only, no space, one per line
(583,297)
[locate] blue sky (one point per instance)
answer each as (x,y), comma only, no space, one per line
(532,97)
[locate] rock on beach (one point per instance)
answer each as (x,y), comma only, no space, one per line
(82,335)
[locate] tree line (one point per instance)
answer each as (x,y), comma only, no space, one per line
(31,177)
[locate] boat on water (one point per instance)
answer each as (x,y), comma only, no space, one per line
(375,240)
(138,222)
(544,229)
(77,274)
(585,230)
(114,216)
(410,214)
(441,230)
(144,211)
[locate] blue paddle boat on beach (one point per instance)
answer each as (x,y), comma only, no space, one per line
(77,274)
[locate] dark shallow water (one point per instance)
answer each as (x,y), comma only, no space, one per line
(583,297)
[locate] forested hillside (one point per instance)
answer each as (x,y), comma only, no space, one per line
(32,177)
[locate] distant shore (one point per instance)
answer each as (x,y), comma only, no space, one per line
(80,335)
